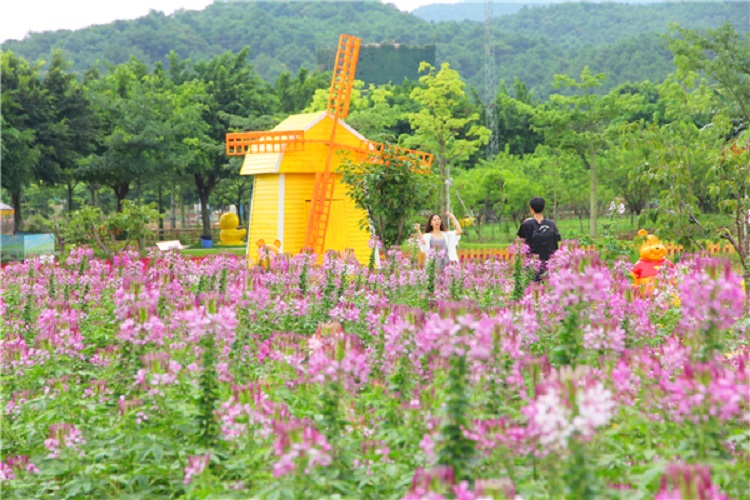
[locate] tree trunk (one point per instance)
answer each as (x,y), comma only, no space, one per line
(205,186)
(593,209)
(173,216)
(446,193)
(70,196)
(121,191)
(240,193)
(205,215)
(17,215)
(161,219)
(183,222)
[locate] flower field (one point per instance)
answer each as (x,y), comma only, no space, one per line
(173,377)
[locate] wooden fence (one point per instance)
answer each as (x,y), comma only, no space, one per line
(479,254)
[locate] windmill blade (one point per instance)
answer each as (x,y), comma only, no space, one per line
(242,143)
(376,150)
(342,82)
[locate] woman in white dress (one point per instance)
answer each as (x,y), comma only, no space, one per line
(437,239)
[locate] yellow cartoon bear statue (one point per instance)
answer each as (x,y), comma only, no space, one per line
(652,258)
(229,234)
(267,252)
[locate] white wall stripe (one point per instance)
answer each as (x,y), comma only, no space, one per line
(280,229)
(250,219)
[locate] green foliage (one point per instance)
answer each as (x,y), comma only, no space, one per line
(515,120)
(390,190)
(579,123)
(457,450)
(88,226)
(446,124)
(533,44)
(85,227)
(134,221)
(569,342)
(24,110)
(207,423)
(70,132)
(723,54)
(520,278)
(295,94)
(236,97)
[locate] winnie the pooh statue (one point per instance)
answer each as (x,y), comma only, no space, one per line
(229,234)
(652,258)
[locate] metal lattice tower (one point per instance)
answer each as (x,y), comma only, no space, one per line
(489,82)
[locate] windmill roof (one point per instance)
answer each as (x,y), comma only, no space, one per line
(303,121)
(271,162)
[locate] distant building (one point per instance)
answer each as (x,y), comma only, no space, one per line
(380,63)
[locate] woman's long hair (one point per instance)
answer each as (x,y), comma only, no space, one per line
(429,223)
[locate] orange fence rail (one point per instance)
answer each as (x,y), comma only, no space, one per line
(478,254)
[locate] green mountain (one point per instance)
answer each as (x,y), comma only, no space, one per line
(626,42)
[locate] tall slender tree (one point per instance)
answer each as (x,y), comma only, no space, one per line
(69,134)
(446,125)
(579,123)
(24,109)
(235,93)
(136,133)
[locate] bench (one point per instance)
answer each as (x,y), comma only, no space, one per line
(169,245)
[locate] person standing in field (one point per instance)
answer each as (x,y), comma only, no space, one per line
(436,238)
(540,234)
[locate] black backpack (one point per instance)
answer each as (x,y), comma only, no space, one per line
(544,239)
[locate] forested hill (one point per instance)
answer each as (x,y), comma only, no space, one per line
(475,10)
(623,41)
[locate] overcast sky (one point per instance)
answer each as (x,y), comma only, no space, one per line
(19,17)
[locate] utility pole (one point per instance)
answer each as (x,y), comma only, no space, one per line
(490,117)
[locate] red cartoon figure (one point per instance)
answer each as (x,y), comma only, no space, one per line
(652,258)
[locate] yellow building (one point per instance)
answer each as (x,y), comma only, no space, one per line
(284,185)
(298,198)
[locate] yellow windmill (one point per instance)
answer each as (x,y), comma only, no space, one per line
(296,195)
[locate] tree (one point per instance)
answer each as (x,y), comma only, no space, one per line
(723,55)
(390,189)
(680,153)
(235,189)
(235,93)
(136,134)
(69,134)
(515,120)
(294,95)
(24,109)
(729,178)
(444,125)
(579,123)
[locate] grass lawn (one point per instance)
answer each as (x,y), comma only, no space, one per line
(200,252)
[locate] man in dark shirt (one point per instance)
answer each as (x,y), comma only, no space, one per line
(540,234)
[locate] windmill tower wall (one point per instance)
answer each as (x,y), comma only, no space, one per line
(280,208)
